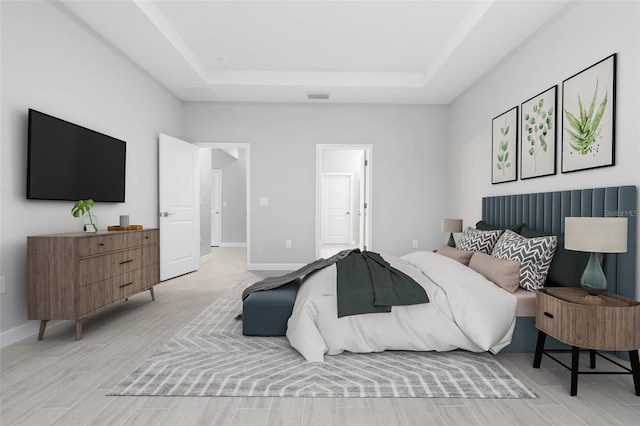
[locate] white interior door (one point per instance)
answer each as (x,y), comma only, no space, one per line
(216,208)
(337,203)
(179,182)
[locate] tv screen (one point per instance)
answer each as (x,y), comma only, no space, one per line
(69,162)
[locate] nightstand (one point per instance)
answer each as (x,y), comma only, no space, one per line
(610,324)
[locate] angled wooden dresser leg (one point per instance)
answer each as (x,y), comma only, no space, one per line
(43,325)
(78,329)
(153,296)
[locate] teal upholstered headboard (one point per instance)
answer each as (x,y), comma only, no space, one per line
(546,211)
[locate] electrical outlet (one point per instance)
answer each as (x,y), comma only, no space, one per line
(415,243)
(3,284)
(287,243)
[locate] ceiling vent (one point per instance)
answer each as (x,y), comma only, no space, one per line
(318,96)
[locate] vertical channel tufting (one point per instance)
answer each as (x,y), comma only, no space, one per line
(539,224)
(547,216)
(556,213)
(597,204)
(586,203)
(628,207)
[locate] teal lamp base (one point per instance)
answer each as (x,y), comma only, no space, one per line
(593,280)
(452,242)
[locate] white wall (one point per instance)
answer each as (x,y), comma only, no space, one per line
(585,34)
(409,153)
(53,64)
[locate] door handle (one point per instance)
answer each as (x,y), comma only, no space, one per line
(165,214)
(348,212)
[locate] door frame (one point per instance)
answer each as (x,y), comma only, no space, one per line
(219,192)
(247,147)
(366,185)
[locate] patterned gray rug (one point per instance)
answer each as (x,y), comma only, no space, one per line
(211,357)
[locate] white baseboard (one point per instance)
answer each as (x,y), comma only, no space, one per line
(233,244)
(274,266)
(28,329)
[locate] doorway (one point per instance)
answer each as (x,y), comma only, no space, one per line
(229,200)
(343,198)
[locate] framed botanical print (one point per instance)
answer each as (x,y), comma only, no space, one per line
(538,135)
(588,117)
(504,150)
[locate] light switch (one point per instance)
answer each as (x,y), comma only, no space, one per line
(264,201)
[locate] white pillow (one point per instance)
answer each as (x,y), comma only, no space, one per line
(477,240)
(534,255)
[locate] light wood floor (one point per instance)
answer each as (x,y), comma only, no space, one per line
(63,382)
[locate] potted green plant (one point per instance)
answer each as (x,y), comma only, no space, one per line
(82,207)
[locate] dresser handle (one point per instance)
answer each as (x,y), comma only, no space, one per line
(100,244)
(547,314)
(125,285)
(126,261)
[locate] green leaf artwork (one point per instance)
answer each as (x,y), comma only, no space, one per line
(503,151)
(538,123)
(584,130)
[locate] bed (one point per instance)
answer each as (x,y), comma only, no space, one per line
(466,310)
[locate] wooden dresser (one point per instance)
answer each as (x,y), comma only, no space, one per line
(71,275)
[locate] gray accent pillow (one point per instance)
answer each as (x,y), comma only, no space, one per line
(484,226)
(534,254)
(476,240)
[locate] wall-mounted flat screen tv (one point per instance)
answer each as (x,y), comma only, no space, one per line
(69,162)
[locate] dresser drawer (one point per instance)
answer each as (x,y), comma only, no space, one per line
(147,277)
(150,255)
(105,243)
(149,237)
(94,269)
(105,292)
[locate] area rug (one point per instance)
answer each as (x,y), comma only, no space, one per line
(211,357)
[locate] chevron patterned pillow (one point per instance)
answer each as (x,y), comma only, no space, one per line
(535,256)
(477,240)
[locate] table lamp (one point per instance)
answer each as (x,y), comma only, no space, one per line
(451,226)
(595,235)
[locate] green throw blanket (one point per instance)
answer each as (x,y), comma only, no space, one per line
(368,284)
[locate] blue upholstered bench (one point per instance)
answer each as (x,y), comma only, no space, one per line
(266,312)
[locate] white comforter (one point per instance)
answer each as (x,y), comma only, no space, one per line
(465,311)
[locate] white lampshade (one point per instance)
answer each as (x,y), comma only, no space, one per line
(596,234)
(451,225)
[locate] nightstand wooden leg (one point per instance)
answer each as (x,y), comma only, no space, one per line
(537,359)
(153,296)
(635,370)
(575,359)
(592,359)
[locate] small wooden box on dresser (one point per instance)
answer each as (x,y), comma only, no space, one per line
(72,275)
